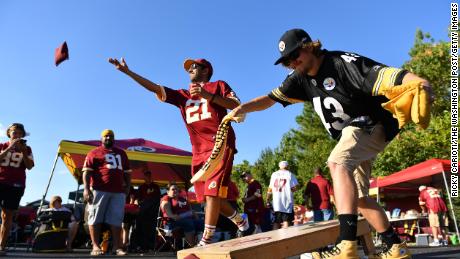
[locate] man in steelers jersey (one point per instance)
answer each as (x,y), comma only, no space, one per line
(344,89)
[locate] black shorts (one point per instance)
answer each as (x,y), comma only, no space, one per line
(10,196)
(281,217)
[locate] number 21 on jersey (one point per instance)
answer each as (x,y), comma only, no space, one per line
(193,112)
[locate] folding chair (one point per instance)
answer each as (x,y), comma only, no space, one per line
(174,238)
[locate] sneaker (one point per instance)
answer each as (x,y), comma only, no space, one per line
(445,243)
(346,249)
(435,243)
(397,251)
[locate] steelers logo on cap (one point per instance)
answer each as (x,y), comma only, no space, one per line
(281,46)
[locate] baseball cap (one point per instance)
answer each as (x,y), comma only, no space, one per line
(290,41)
(283,164)
(421,188)
(200,61)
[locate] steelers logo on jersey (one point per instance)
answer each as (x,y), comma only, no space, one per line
(281,46)
(329,83)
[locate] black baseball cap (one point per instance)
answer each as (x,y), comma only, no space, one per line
(290,41)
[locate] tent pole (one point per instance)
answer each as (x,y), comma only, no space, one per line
(450,202)
(49,182)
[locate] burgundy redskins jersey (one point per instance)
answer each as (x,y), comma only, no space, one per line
(201,117)
(107,167)
(12,167)
(344,91)
(431,198)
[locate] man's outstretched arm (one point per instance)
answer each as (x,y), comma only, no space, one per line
(147,84)
(257,104)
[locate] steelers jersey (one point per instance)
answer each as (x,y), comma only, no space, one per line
(343,91)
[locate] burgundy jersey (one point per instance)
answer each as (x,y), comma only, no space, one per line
(149,191)
(201,117)
(12,167)
(253,188)
(178,205)
(319,189)
(431,198)
(107,167)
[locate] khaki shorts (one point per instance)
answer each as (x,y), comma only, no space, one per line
(438,219)
(356,150)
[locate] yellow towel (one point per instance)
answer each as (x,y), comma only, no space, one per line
(408,102)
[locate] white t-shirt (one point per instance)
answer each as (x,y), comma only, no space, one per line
(281,183)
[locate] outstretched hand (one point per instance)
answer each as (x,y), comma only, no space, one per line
(235,115)
(120,65)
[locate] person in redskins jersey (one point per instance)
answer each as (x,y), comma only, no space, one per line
(343,88)
(107,181)
(253,202)
(203,106)
(430,200)
(177,212)
(15,158)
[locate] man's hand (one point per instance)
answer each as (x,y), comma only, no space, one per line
(196,90)
(235,115)
(22,146)
(88,196)
(122,66)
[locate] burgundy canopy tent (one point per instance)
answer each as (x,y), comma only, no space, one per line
(167,164)
(433,172)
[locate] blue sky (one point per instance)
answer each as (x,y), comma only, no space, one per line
(85,94)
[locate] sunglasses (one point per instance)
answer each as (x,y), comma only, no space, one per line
(291,57)
(195,66)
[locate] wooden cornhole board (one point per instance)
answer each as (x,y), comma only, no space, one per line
(279,243)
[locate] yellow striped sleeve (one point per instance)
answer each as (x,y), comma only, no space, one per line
(386,78)
(279,95)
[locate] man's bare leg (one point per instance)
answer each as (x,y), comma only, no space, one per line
(95,232)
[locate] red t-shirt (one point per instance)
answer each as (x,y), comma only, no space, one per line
(432,199)
(201,117)
(178,205)
(149,191)
(12,167)
(254,187)
(319,189)
(107,167)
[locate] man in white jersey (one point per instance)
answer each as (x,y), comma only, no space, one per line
(282,186)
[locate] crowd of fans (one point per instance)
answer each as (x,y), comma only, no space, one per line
(134,215)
